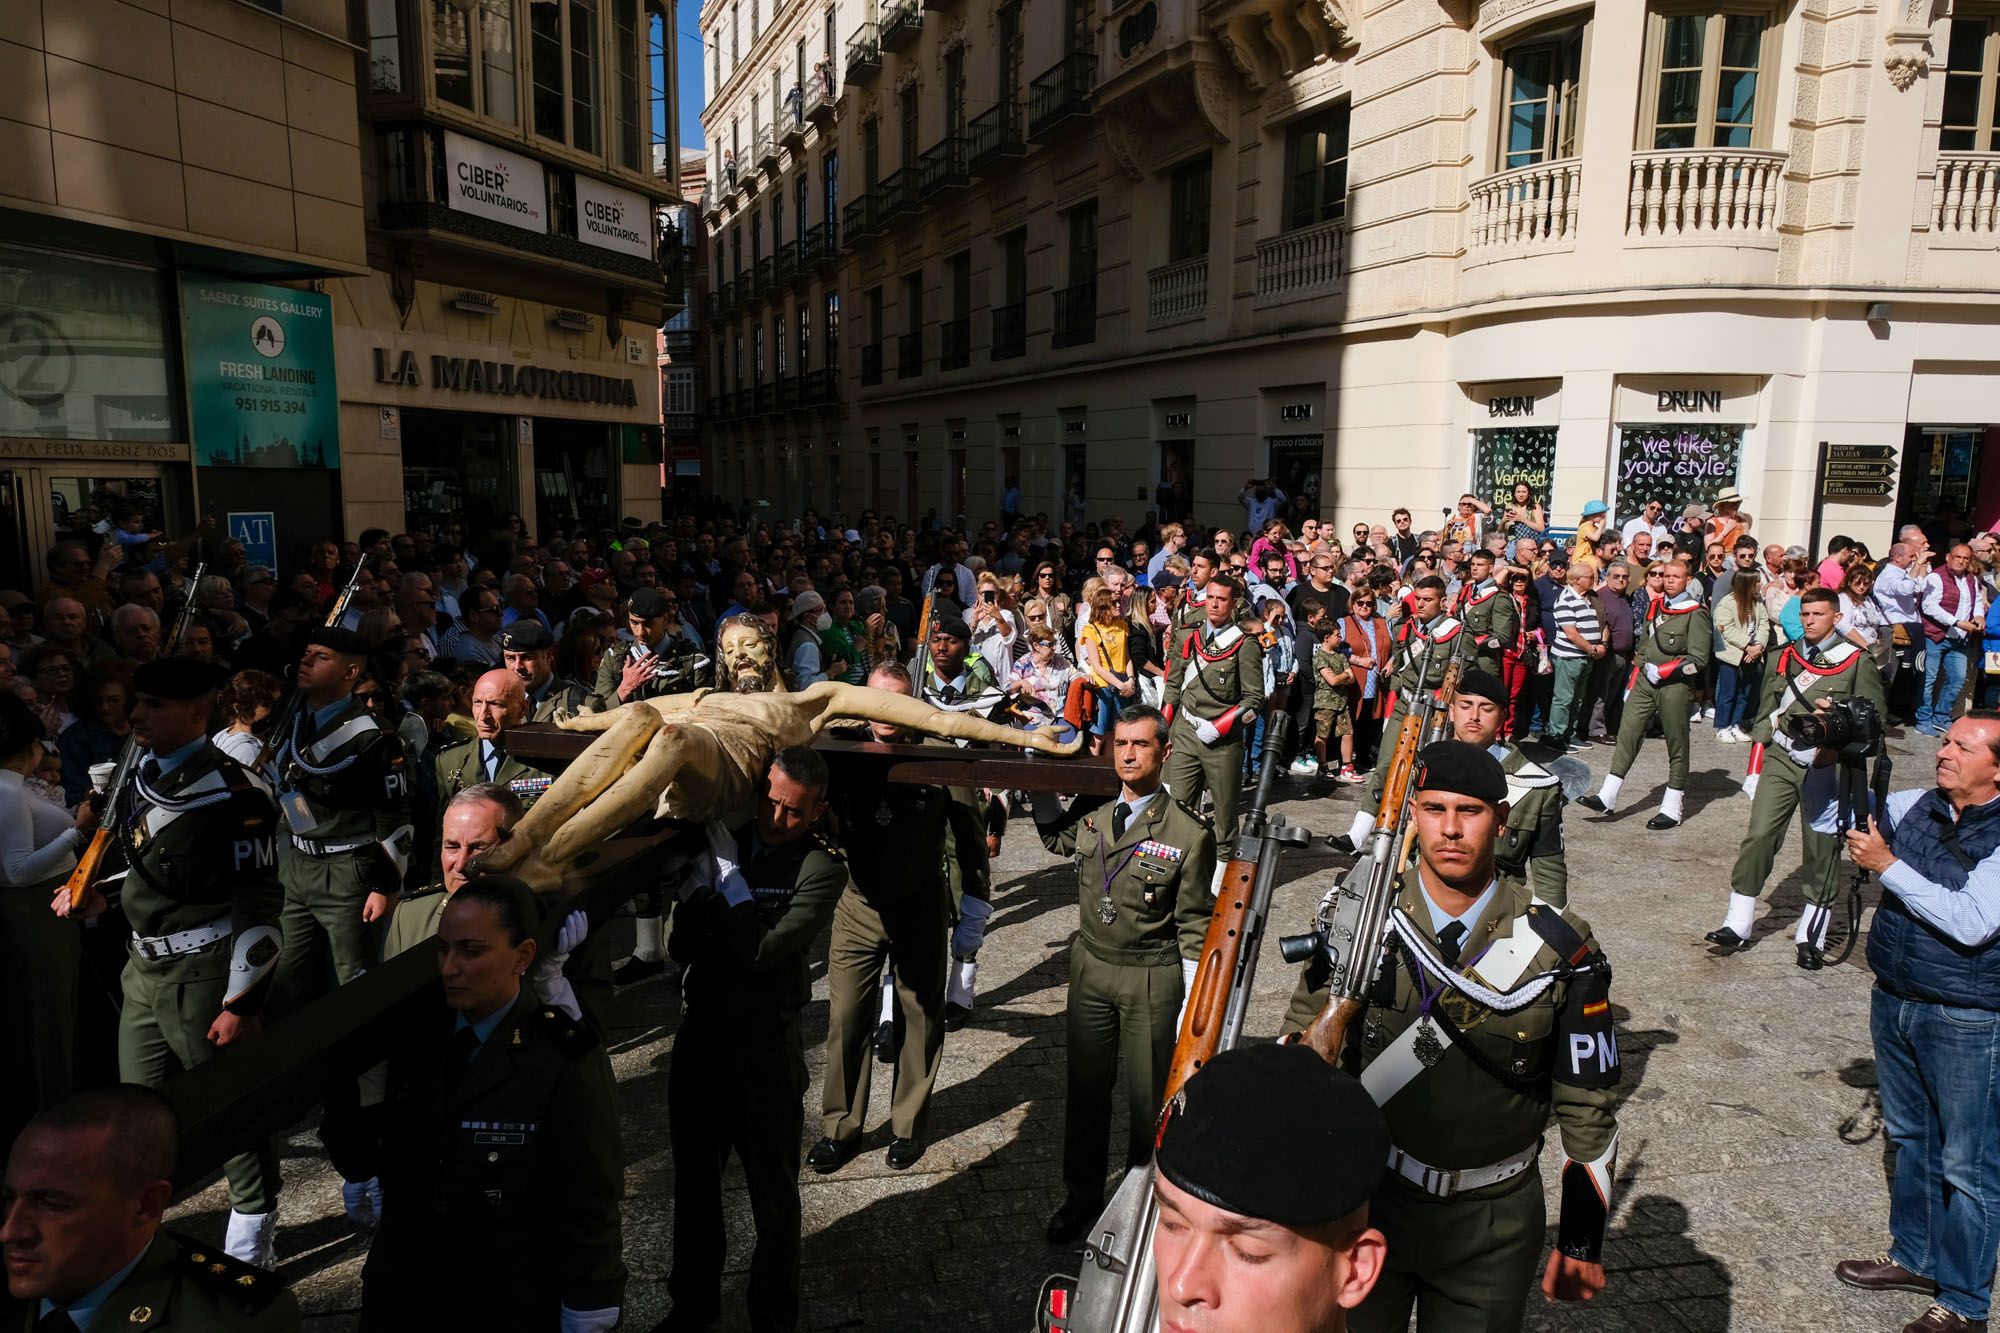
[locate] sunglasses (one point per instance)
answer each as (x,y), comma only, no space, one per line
(371,696)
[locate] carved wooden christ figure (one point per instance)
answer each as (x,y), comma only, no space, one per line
(699,756)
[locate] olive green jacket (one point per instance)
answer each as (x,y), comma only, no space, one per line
(1800,678)
(684,668)
(1494,619)
(1155,878)
(181,1286)
(1206,679)
(1531,845)
(1678,635)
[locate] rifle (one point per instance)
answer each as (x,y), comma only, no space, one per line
(922,661)
(1353,921)
(1117,1291)
(281,725)
(91,863)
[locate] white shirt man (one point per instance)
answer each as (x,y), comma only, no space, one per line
(1648,521)
(1896,590)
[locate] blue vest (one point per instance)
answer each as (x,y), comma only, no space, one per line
(1913,959)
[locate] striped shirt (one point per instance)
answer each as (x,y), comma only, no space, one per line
(1574,611)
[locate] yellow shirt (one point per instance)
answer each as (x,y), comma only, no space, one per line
(1112,652)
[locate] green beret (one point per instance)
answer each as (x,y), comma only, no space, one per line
(1455,766)
(1274,1132)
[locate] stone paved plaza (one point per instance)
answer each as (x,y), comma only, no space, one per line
(1751,1156)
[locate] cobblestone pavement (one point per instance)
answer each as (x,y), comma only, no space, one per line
(1751,1156)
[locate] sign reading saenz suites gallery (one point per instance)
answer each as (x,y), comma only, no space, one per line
(613,219)
(460,374)
(494,183)
(260,375)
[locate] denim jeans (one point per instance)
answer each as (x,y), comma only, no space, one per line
(1736,694)
(1944,677)
(1939,1071)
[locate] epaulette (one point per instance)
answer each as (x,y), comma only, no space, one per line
(1194,814)
(449,746)
(573,1038)
(825,842)
(412,895)
(226,1278)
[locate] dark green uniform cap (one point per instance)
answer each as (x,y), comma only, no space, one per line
(1274,1132)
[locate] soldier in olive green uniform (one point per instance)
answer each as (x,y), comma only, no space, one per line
(344,789)
(529,651)
(1427,624)
(896,910)
(112,1265)
(1787,776)
(738,1079)
(1669,662)
(201,893)
(498,1147)
(1530,847)
(499,703)
(1488,613)
(1144,861)
(1469,1077)
(1215,689)
(661,660)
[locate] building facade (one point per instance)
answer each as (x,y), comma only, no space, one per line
(681,394)
(1135,254)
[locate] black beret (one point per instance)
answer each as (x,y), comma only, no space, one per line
(1455,766)
(647,603)
(1483,685)
(526,635)
(178,678)
(340,640)
(1276,1133)
(954,626)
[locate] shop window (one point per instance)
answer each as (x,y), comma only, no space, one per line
(564,35)
(1542,95)
(1972,71)
(1316,169)
(1187,216)
(1705,74)
(90,358)
(1677,464)
(1508,454)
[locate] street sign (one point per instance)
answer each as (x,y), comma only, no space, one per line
(1858,471)
(1860,453)
(1837,489)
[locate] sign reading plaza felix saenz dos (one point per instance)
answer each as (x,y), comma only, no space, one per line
(261,387)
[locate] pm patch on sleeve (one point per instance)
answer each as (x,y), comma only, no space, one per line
(1588,1055)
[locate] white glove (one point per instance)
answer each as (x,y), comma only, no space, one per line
(1750,784)
(100,774)
(1206,730)
(591,1321)
(729,881)
(1652,673)
(1188,969)
(700,874)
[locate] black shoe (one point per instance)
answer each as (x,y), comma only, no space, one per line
(885,1043)
(1811,957)
(903,1154)
(955,1016)
(1071,1221)
(828,1155)
(1592,802)
(1661,823)
(1341,843)
(1722,937)
(637,969)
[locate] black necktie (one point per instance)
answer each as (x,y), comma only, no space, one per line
(149,773)
(56,1321)
(1119,814)
(1450,940)
(458,1057)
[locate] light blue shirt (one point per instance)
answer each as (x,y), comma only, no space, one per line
(484,1027)
(85,1307)
(322,716)
(1970,915)
(171,761)
(1468,918)
(1137,804)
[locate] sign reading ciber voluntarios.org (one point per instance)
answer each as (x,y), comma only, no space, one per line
(493,183)
(261,390)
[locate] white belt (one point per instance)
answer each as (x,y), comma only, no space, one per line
(154,948)
(1444,1184)
(311,848)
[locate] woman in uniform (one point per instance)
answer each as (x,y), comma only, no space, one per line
(497,1145)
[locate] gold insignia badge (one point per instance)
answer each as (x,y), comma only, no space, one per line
(141,1314)
(199,1258)
(246,1281)
(218,1268)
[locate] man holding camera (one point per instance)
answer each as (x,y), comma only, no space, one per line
(1791,770)
(1936,1034)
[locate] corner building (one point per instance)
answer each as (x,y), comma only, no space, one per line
(1384,252)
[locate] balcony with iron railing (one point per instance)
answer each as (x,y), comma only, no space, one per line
(1061,93)
(955,343)
(767,398)
(1010,331)
(871,363)
(860,219)
(787,392)
(746,402)
(994,136)
(1177,293)
(942,167)
(1076,315)
(1528,208)
(784,266)
(909,355)
(864,53)
(763,281)
(816,247)
(1723,196)
(767,157)
(792,120)
(898,191)
(820,388)
(1302,262)
(902,23)
(820,98)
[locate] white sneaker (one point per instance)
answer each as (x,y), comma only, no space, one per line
(1708,713)
(1304,767)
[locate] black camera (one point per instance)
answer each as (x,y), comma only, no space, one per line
(1852,726)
